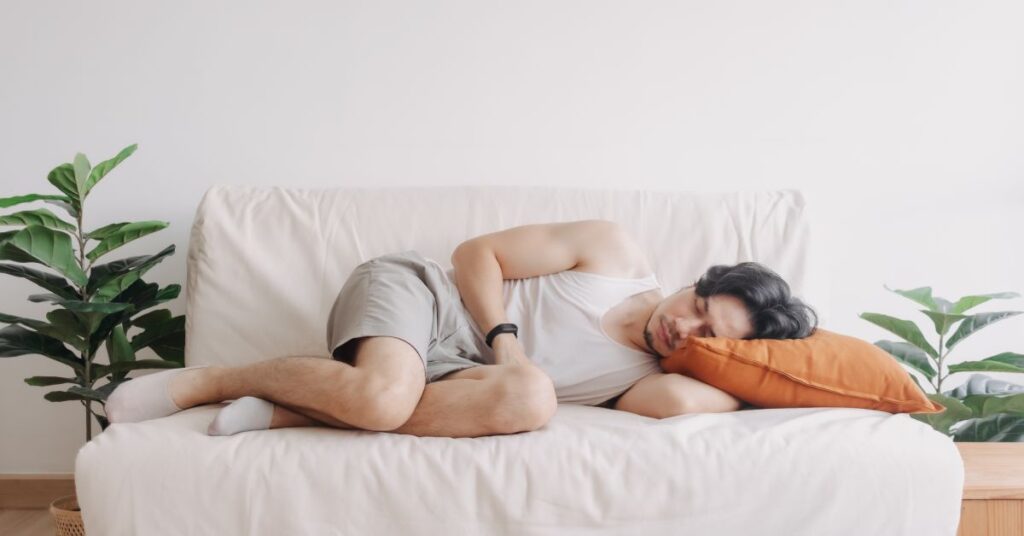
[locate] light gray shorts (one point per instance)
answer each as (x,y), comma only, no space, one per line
(407,296)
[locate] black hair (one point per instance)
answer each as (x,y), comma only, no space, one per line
(774,313)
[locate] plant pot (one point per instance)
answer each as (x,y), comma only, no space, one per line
(67,516)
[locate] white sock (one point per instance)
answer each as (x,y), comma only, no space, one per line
(246,413)
(144,398)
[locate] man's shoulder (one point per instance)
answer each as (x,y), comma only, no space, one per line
(622,257)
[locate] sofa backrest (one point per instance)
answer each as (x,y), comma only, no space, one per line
(265,263)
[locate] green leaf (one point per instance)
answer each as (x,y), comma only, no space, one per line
(19,199)
(159,334)
(152,318)
(168,293)
(945,306)
(39,216)
(79,306)
(56,284)
(974,323)
(968,302)
(904,329)
(43,381)
(89,314)
(124,235)
(27,322)
(47,247)
(109,387)
(105,276)
(106,166)
(66,205)
(985,405)
(909,355)
(106,230)
(1004,362)
(39,298)
(12,253)
(943,321)
(171,347)
(921,295)
(138,294)
(117,286)
(63,177)
(63,396)
(16,341)
(145,301)
(75,393)
(82,167)
(104,423)
(980,384)
(66,326)
(70,337)
(118,347)
(955,412)
(101,333)
(1001,427)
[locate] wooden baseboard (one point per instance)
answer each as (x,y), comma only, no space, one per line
(34,491)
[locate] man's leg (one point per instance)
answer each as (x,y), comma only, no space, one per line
(484,400)
(379,393)
(480,401)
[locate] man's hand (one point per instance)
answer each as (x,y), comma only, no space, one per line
(508,351)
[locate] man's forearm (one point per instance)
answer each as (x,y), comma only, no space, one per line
(479,279)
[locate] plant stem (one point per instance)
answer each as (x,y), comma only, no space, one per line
(85,297)
(942,357)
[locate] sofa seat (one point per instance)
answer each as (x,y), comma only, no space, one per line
(817,471)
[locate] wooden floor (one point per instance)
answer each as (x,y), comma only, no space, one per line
(26,523)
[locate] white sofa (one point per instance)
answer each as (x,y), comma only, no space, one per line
(264,265)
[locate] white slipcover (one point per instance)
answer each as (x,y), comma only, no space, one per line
(264,265)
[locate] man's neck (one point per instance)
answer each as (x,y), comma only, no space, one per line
(637,318)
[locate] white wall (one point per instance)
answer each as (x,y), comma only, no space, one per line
(900,120)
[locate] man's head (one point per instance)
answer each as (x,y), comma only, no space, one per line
(743,301)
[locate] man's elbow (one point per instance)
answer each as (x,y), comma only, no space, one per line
(686,405)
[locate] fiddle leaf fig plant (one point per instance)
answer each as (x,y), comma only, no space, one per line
(94,304)
(982,409)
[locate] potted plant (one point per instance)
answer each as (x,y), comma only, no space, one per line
(94,304)
(982,409)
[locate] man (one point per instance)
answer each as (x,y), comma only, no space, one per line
(424,352)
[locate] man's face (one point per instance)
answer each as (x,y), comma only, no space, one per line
(684,313)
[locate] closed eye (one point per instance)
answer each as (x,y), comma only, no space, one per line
(708,331)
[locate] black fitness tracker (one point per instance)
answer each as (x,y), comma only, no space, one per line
(499,329)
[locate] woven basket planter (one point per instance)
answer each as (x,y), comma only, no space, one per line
(67,516)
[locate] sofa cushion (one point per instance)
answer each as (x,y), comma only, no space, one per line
(590,471)
(824,370)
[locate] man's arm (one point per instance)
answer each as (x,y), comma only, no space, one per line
(661,395)
(482,263)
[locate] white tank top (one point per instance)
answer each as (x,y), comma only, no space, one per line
(559,318)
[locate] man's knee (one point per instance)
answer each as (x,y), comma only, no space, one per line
(390,384)
(386,407)
(524,400)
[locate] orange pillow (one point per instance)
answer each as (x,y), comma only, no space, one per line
(824,370)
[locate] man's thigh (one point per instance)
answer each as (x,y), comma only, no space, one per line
(392,362)
(525,379)
(479,372)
